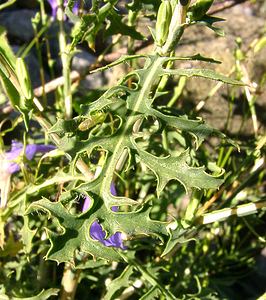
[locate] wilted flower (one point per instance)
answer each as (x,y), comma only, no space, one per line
(54,6)
(8,166)
(97,232)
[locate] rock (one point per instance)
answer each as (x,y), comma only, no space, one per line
(92,82)
(18,24)
(82,60)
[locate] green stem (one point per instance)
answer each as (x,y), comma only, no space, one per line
(45,23)
(226,157)
(253,231)
(65,58)
(8,3)
(193,205)
(41,70)
(164,79)
(132,16)
(178,91)
(31,44)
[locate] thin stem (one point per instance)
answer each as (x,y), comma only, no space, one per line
(164,79)
(8,3)
(41,69)
(244,184)
(210,202)
(44,21)
(132,16)
(250,98)
(253,231)
(193,205)
(65,57)
(226,157)
(33,41)
(177,91)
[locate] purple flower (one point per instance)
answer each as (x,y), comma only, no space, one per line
(8,166)
(97,232)
(54,6)
(16,150)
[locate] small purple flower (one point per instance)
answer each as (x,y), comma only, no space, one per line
(76,8)
(115,240)
(8,166)
(54,6)
(97,232)
(16,150)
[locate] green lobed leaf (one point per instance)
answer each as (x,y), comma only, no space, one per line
(117,25)
(119,282)
(74,234)
(131,106)
(168,168)
(27,235)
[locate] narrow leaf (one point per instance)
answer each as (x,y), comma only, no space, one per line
(205,73)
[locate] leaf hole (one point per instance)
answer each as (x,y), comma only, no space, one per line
(131,80)
(92,161)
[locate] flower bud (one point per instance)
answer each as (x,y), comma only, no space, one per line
(164,17)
